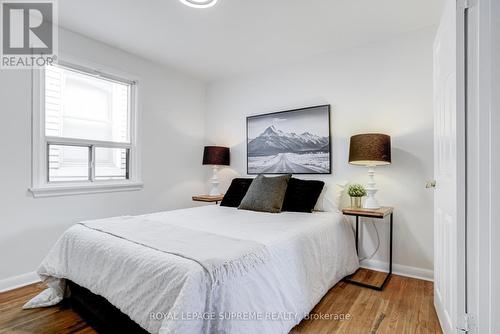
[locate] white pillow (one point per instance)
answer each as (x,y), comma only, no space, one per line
(330,198)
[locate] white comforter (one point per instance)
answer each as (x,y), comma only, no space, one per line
(166,293)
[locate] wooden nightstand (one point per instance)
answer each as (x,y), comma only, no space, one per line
(377,214)
(208,198)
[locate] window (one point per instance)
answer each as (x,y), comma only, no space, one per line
(84,136)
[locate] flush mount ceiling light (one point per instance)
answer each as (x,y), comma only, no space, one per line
(199,3)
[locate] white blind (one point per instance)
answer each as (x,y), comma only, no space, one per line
(81,106)
(53,111)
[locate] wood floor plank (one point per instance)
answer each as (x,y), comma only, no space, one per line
(404,306)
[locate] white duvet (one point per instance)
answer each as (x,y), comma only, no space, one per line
(165,293)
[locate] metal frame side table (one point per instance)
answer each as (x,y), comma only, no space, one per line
(377,214)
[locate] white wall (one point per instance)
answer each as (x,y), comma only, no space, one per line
(384,87)
(171,108)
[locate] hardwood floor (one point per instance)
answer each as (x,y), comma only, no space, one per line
(405,306)
(57,319)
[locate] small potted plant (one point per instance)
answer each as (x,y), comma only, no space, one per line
(356,192)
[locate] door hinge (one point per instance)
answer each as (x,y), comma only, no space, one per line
(466,323)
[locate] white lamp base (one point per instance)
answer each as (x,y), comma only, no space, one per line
(371,190)
(370,201)
(214,182)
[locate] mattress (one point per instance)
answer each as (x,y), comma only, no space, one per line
(166,293)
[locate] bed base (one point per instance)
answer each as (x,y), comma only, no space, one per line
(101,314)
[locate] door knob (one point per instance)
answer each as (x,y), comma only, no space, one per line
(431,184)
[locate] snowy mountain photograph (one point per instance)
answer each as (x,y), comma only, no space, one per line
(296,141)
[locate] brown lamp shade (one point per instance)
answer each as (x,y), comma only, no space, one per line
(370,149)
(216,155)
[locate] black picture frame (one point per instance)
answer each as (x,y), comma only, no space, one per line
(305,110)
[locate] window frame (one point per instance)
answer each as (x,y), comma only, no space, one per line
(40,185)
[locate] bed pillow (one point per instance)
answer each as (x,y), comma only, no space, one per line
(330,199)
(237,190)
(266,194)
(302,195)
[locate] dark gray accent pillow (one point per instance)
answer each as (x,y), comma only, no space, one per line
(266,194)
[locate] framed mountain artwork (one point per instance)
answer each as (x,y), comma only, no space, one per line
(295,141)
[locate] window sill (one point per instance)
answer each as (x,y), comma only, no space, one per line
(82,189)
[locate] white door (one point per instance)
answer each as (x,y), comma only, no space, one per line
(449,162)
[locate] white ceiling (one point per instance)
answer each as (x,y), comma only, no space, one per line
(240,36)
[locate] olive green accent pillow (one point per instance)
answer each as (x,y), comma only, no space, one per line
(266,194)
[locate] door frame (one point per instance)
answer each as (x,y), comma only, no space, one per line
(463,102)
(483,186)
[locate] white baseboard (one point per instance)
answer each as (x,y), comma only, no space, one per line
(18,281)
(398,269)
(425,274)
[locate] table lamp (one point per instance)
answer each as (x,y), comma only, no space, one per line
(370,149)
(215,156)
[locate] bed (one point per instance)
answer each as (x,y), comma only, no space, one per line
(295,259)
